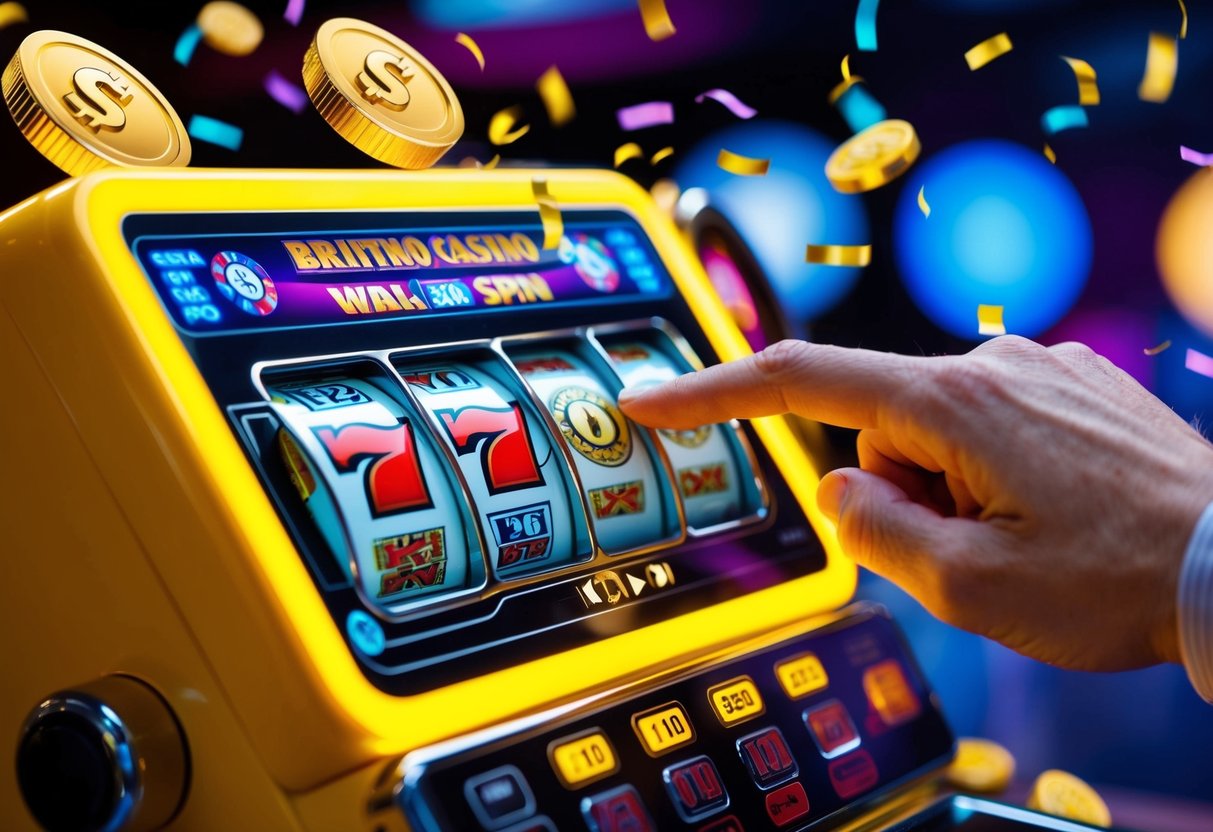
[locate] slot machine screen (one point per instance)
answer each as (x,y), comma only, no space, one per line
(430,401)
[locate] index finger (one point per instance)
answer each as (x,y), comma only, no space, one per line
(837,385)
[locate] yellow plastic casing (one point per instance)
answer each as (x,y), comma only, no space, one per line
(191,582)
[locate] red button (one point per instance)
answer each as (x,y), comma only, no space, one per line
(695,788)
(853,774)
(619,810)
(767,757)
(832,728)
(725,824)
(787,803)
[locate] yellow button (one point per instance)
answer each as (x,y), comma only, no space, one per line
(664,728)
(736,700)
(801,675)
(583,758)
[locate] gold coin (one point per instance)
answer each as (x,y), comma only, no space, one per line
(873,157)
(85,108)
(1061,793)
(380,94)
(230,28)
(981,766)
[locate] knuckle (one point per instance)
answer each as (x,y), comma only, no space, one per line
(1009,346)
(781,356)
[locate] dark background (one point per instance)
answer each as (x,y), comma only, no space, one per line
(1133,732)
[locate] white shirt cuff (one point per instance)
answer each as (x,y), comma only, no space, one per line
(1195,607)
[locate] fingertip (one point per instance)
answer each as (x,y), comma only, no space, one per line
(830,492)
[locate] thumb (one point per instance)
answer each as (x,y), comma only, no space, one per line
(881,528)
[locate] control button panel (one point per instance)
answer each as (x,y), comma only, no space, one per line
(789,760)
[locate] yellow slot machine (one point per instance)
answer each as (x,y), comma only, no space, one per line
(320,514)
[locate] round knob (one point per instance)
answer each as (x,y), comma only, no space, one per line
(108,755)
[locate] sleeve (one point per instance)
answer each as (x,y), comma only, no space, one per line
(1194,609)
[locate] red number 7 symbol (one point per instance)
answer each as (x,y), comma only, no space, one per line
(506,455)
(394,482)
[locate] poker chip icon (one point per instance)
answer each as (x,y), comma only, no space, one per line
(244,282)
(592,261)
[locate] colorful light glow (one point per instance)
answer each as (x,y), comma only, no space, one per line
(1007,228)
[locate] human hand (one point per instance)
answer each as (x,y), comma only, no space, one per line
(1037,496)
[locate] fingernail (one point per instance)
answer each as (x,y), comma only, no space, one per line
(626,395)
(830,493)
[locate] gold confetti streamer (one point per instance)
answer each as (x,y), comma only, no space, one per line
(11,13)
(922,202)
(465,40)
(556,97)
(742,165)
(664,153)
(1162,59)
(549,214)
(1050,155)
(989,320)
(846,66)
(1165,344)
(657,23)
(842,86)
(988,50)
(1183,26)
(1088,90)
(502,126)
(631,150)
(838,255)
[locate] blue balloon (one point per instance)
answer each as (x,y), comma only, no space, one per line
(1006,229)
(780,213)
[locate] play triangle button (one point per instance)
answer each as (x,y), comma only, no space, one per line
(635,583)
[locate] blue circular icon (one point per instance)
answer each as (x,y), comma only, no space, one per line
(244,282)
(1006,229)
(365,633)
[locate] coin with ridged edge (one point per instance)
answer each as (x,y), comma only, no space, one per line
(380,94)
(85,108)
(1060,793)
(873,157)
(981,766)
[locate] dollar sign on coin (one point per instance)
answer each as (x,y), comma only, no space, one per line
(99,98)
(380,94)
(380,84)
(85,108)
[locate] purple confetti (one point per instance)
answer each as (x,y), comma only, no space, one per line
(736,106)
(285,93)
(1198,362)
(1195,156)
(294,11)
(645,115)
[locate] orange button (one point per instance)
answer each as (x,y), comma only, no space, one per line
(890,693)
(736,700)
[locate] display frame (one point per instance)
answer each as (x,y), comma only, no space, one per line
(251,544)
